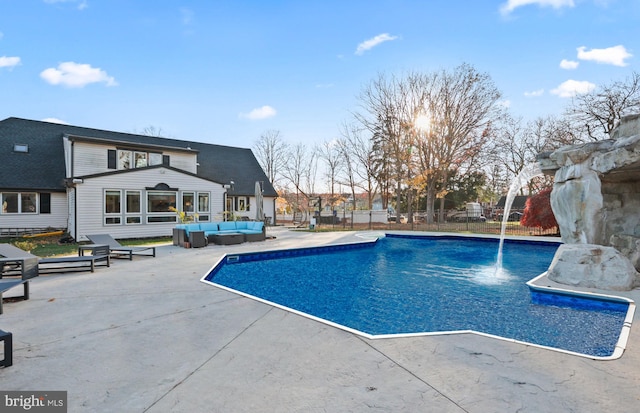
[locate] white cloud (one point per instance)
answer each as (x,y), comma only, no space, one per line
(187,16)
(373,42)
(570,88)
(534,93)
(82,4)
(55,120)
(569,64)
(9,61)
(511,5)
(73,74)
(615,55)
(263,112)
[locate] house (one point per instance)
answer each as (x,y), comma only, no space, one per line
(518,205)
(96,181)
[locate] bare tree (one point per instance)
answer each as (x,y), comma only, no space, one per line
(300,171)
(387,114)
(359,170)
(349,174)
(595,114)
(329,152)
(461,105)
(364,151)
(152,131)
(271,152)
(517,145)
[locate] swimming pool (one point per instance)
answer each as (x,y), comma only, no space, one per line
(408,285)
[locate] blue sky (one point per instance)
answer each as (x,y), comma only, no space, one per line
(224,72)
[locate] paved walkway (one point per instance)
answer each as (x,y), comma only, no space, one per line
(148,336)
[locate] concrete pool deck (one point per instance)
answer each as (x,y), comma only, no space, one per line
(147,336)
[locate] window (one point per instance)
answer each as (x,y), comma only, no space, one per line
(158,203)
(112,202)
(155,159)
(19,202)
(140,159)
(112,207)
(124,159)
(188,201)
(112,159)
(10,203)
(132,206)
(242,203)
(127,159)
(203,202)
(203,207)
(21,147)
(45,203)
(133,202)
(28,202)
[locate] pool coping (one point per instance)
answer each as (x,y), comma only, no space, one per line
(369,237)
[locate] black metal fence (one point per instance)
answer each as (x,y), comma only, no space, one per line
(487,227)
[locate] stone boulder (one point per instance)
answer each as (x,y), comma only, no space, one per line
(577,203)
(593,266)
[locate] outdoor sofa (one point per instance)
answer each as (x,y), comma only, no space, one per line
(251,230)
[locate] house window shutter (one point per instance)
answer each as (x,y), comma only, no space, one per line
(165,160)
(45,203)
(111,159)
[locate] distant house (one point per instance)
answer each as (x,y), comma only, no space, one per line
(96,181)
(519,203)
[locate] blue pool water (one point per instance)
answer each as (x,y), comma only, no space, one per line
(422,284)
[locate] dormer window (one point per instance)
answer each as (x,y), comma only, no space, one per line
(129,159)
(21,147)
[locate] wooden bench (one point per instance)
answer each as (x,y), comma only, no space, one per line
(7,284)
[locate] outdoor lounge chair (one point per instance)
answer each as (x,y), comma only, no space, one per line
(117,249)
(79,263)
(16,262)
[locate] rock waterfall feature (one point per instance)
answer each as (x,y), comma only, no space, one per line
(596,202)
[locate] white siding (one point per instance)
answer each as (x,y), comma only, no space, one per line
(91,158)
(71,203)
(267,208)
(90,198)
(56,219)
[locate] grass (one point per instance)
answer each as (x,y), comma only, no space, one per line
(50,247)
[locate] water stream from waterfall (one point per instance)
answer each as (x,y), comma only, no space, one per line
(527,173)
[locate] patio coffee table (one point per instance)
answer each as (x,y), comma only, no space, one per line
(227,239)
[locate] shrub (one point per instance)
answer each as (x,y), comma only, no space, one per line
(538,212)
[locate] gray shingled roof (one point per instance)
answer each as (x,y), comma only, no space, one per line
(43,167)
(519,202)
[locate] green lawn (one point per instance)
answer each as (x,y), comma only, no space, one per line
(49,246)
